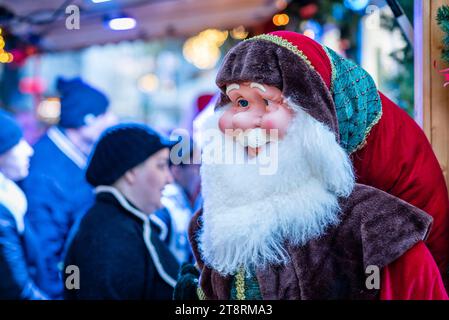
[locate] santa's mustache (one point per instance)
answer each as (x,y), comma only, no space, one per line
(256,137)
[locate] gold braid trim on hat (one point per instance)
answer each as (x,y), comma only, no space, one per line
(334,72)
(367,132)
(283,43)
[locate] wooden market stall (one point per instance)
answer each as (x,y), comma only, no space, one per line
(431,94)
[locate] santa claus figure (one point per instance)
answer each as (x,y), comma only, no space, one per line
(305,228)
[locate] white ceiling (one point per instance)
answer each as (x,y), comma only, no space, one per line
(155,18)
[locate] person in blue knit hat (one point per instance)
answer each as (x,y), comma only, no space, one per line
(119,247)
(19,257)
(56,189)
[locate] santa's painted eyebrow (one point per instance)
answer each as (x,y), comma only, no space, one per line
(258,86)
(232,86)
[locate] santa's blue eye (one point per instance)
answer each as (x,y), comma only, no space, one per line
(243,103)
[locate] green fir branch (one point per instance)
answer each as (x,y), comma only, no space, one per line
(443,22)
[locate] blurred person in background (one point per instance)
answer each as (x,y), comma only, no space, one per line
(182,198)
(56,189)
(19,257)
(118,248)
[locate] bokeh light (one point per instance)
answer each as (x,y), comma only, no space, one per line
(203,50)
(148,83)
(281,19)
(239,33)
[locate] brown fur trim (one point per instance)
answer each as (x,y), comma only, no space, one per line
(375,229)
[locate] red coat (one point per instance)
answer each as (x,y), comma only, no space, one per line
(398,159)
(414,276)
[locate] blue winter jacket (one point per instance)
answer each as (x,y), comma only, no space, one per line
(58,196)
(20,263)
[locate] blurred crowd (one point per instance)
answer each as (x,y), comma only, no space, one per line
(95,208)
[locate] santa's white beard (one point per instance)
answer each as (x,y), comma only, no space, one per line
(248,217)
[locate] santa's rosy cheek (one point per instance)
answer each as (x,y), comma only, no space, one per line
(268,124)
(225,122)
(277,120)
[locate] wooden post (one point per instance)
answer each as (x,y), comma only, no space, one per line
(431,97)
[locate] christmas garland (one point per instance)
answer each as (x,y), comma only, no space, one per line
(443,22)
